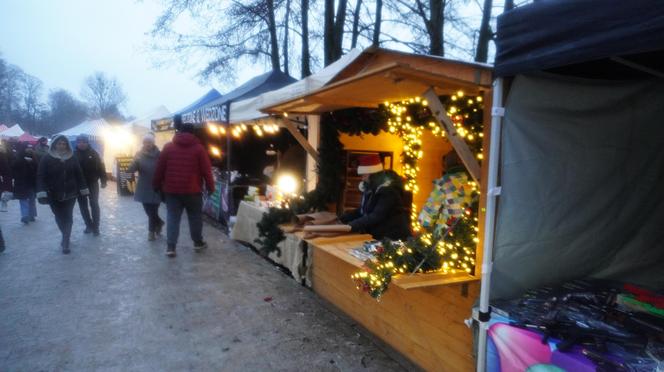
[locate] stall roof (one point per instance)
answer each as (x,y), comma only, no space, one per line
(93,128)
(380,75)
(145,120)
(552,34)
(266,82)
(249,109)
(208,97)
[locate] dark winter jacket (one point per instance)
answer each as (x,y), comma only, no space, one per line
(24,172)
(5,171)
(382,213)
(91,165)
(183,166)
(59,177)
(145,163)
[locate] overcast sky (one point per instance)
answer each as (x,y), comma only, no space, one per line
(61,42)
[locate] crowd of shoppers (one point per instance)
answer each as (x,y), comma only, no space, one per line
(59,176)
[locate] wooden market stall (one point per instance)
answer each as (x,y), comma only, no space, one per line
(422,315)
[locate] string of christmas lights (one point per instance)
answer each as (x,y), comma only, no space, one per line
(450,248)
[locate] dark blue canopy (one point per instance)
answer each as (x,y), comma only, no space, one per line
(260,84)
(210,96)
(591,38)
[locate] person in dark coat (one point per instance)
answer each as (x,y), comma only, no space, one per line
(24,172)
(5,181)
(182,168)
(5,175)
(59,182)
(145,163)
(381,213)
(94,172)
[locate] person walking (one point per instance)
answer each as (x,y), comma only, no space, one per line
(182,167)
(59,182)
(24,172)
(5,184)
(145,163)
(5,175)
(94,172)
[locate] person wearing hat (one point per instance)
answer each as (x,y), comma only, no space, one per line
(59,181)
(41,149)
(381,213)
(182,169)
(94,172)
(145,163)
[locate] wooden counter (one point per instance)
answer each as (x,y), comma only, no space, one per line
(425,322)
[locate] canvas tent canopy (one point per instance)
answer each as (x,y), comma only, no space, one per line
(13,131)
(578,150)
(92,128)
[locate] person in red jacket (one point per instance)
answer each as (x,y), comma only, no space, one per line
(182,168)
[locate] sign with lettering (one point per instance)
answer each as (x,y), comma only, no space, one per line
(125,180)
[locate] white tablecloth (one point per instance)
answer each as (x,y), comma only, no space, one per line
(292,248)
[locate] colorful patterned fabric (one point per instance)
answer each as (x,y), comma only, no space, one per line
(452,193)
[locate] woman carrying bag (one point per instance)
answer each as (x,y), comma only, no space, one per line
(59,181)
(145,163)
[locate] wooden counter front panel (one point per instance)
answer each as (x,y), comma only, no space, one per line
(424,324)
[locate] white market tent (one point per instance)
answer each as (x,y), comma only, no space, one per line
(13,131)
(93,128)
(145,121)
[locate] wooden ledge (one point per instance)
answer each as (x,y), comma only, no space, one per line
(421,280)
(340,248)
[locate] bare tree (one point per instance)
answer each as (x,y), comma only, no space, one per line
(104,95)
(225,34)
(482,52)
(286,32)
(355,33)
(377,23)
(10,92)
(306,55)
(32,104)
(65,111)
(333,33)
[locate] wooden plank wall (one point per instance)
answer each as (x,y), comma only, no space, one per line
(426,325)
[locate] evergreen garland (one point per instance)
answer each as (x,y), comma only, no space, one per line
(269,233)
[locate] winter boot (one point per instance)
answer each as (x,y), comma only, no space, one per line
(87,230)
(170,251)
(65,247)
(199,246)
(151,236)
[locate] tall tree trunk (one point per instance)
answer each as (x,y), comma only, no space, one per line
(435,27)
(482,52)
(328,32)
(274,42)
(306,58)
(286,31)
(509,5)
(377,23)
(339,24)
(356,24)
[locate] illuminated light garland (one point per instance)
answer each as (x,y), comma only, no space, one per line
(453,249)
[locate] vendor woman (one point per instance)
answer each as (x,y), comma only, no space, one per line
(381,213)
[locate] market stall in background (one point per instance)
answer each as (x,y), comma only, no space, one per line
(574,272)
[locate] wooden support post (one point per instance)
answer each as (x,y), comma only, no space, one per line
(460,146)
(292,128)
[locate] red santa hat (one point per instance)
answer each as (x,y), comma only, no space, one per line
(369,164)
